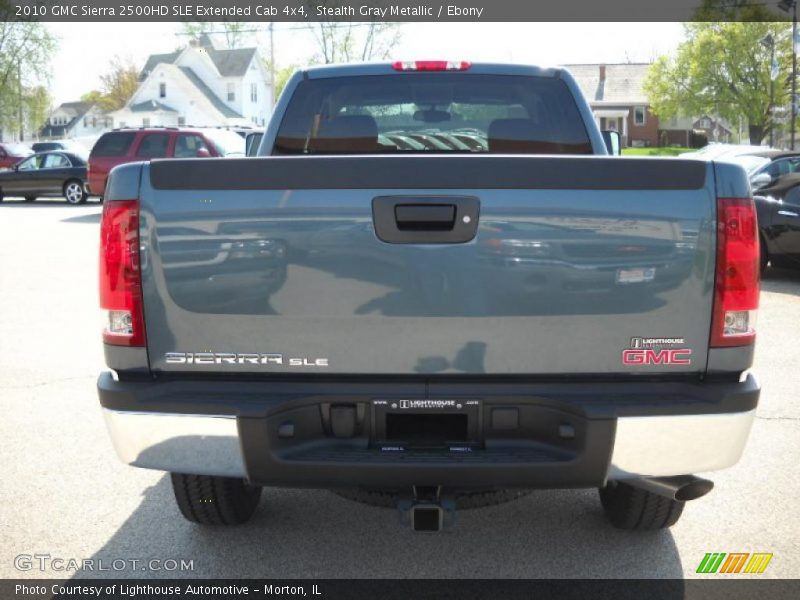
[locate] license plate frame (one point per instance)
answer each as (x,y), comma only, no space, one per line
(636,275)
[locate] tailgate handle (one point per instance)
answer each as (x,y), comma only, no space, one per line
(425,219)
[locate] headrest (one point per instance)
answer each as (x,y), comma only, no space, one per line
(351,133)
(513,136)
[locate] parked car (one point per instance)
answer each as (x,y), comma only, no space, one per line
(359,313)
(64,145)
(716,151)
(130,145)
(11,154)
(766,168)
(46,174)
(779,222)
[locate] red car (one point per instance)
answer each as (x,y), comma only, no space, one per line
(130,145)
(11,154)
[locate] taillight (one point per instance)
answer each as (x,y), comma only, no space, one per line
(737,276)
(431,65)
(120,274)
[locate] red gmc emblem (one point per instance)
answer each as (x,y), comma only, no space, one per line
(678,356)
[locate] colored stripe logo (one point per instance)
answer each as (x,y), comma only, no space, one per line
(734,562)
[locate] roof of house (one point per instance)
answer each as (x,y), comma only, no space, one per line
(150,106)
(623,84)
(75,110)
(223,108)
(230,63)
(155,59)
(78,108)
(715,123)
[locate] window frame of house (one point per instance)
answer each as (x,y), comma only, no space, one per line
(253,92)
(231,92)
(162,90)
(636,121)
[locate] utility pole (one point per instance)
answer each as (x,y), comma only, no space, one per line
(21,122)
(272,64)
(794,69)
(769,42)
(785,5)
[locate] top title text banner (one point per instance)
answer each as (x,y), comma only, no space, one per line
(387,10)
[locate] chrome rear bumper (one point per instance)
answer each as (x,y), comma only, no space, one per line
(678,445)
(194,444)
(643,447)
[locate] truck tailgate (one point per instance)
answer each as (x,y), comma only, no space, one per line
(273,265)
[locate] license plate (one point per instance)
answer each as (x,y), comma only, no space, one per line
(636,275)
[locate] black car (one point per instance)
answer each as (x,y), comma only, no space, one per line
(768,167)
(779,222)
(46,174)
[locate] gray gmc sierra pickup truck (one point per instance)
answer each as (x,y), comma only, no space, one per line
(432,288)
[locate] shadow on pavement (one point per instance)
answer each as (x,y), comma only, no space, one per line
(41,203)
(316,534)
(781,281)
(89,218)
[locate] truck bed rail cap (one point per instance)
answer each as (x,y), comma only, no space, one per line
(428,172)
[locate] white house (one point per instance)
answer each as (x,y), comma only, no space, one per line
(75,120)
(200,86)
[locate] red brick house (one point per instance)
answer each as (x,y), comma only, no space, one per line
(615,93)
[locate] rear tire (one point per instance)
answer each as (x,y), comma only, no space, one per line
(632,508)
(74,192)
(210,500)
(383,498)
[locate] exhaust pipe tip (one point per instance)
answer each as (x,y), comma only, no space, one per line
(427,517)
(680,487)
(694,489)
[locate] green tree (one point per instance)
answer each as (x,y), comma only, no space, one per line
(37,104)
(117,85)
(94,96)
(723,68)
(26,47)
(282,76)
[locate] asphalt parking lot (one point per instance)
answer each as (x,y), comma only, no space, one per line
(64,493)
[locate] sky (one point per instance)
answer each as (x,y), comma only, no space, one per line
(86,48)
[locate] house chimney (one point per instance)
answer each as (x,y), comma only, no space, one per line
(602,73)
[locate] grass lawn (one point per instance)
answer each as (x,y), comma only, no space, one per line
(665,151)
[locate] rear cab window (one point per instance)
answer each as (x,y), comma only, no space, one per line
(115,143)
(433,112)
